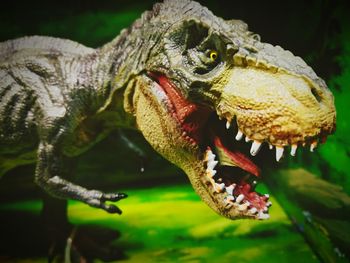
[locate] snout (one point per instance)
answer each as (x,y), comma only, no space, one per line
(280,108)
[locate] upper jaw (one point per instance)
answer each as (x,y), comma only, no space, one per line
(280,108)
(225,200)
(307,125)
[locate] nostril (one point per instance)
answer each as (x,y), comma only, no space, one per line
(316,94)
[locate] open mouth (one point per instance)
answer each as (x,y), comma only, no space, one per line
(231,173)
(229,176)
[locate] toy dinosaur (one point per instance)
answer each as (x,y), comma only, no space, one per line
(190,82)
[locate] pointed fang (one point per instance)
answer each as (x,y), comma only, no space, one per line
(210,173)
(229,189)
(219,187)
(228,125)
(253,210)
(293,149)
(229,198)
(279,153)
(240,198)
(239,135)
(255,148)
(210,156)
(212,164)
(263,216)
(243,207)
(313,146)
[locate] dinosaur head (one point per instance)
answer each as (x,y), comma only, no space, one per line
(208,83)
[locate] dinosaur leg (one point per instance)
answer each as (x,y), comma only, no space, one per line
(75,243)
(54,215)
(50,171)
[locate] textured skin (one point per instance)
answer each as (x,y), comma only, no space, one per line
(58,98)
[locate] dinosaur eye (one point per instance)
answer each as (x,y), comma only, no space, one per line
(213,55)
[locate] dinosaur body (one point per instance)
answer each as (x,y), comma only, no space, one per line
(180,79)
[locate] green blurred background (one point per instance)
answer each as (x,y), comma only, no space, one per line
(163,219)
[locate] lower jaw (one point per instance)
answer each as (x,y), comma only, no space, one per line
(226,188)
(234,190)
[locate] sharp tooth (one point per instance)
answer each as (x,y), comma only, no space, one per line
(208,152)
(219,187)
(212,164)
(229,189)
(313,146)
(268,204)
(229,198)
(228,205)
(267,196)
(210,156)
(279,153)
(228,125)
(240,198)
(243,207)
(239,135)
(253,210)
(247,139)
(208,174)
(263,216)
(270,146)
(293,149)
(211,173)
(255,148)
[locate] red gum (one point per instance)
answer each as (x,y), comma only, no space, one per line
(191,116)
(238,158)
(255,200)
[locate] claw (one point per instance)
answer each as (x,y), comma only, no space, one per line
(113,197)
(119,196)
(113,209)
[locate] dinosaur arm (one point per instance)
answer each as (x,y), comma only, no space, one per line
(49,176)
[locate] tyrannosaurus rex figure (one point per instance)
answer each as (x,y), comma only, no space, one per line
(190,82)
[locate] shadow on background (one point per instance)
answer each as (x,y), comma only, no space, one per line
(22,235)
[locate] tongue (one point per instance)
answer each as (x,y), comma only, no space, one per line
(234,158)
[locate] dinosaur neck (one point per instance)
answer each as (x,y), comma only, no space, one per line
(116,64)
(120,60)
(111,60)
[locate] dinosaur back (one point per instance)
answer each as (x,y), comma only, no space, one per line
(40,44)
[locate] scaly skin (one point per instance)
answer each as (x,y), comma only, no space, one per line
(173,74)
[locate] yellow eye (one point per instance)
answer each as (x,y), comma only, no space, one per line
(213,55)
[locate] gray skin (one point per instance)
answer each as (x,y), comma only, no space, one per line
(59,98)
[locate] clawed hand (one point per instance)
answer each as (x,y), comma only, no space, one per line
(98,199)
